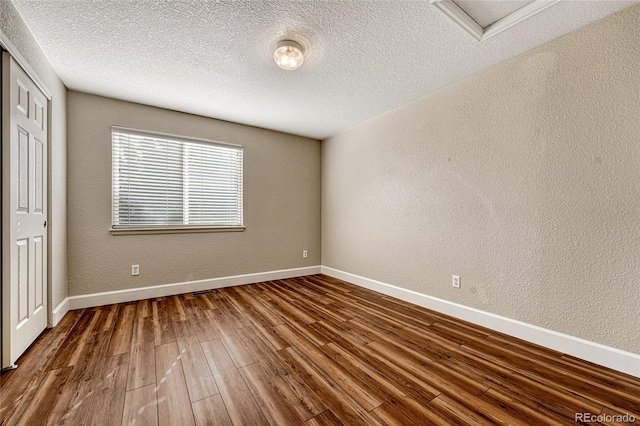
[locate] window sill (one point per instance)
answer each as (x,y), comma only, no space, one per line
(175,230)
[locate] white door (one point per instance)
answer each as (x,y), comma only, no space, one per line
(24,211)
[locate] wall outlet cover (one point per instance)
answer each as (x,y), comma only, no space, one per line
(456,281)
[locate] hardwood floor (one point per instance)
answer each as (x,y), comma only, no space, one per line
(312,350)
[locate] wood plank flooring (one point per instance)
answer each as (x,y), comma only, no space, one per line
(312,350)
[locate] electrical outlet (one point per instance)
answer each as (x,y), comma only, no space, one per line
(456,281)
(305,254)
(135,269)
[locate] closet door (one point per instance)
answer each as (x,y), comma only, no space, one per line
(24,211)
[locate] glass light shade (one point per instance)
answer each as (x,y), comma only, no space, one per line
(288,55)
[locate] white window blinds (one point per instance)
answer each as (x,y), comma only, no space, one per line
(167,181)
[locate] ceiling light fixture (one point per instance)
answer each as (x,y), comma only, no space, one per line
(288,55)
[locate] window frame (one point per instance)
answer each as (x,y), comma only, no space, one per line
(171,229)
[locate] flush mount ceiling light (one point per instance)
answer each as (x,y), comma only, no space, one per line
(288,55)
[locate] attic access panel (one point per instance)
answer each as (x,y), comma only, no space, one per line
(484,19)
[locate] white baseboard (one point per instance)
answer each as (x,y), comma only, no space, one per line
(60,311)
(133,294)
(616,359)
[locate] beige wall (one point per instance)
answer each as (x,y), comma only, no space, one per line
(15,29)
(524,179)
(281,203)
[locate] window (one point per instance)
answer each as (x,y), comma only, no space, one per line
(163,182)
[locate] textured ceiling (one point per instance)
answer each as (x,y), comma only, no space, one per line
(214,59)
